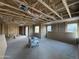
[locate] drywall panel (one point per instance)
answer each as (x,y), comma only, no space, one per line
(62,36)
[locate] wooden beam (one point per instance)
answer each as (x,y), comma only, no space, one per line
(46,19)
(72,13)
(50,8)
(65,20)
(16,8)
(38,17)
(69,5)
(9,14)
(14,16)
(18,1)
(52,17)
(36,11)
(33,5)
(1,3)
(66,6)
(23,15)
(24,2)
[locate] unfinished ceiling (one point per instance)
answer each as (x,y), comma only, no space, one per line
(38,11)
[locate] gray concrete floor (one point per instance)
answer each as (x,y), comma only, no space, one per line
(48,49)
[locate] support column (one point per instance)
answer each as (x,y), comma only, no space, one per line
(43,31)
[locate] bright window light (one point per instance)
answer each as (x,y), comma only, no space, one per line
(36,29)
(72,27)
(49,28)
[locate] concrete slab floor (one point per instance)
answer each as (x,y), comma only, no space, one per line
(48,49)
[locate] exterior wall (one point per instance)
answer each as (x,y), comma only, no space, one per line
(54,28)
(61,28)
(9,29)
(3,29)
(13,29)
(58,27)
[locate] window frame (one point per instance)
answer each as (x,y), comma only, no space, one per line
(72,31)
(50,29)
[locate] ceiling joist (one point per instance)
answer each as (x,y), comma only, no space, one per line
(65,20)
(30,13)
(14,8)
(22,15)
(36,17)
(1,3)
(8,14)
(50,8)
(67,8)
(52,17)
(35,4)
(38,10)
(69,5)
(11,15)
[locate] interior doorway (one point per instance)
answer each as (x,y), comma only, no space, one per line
(22,30)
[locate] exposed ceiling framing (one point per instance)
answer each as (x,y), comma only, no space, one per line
(66,6)
(50,8)
(77,2)
(66,20)
(40,11)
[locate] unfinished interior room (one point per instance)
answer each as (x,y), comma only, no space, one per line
(39,29)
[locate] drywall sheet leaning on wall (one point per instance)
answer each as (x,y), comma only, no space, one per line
(3,46)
